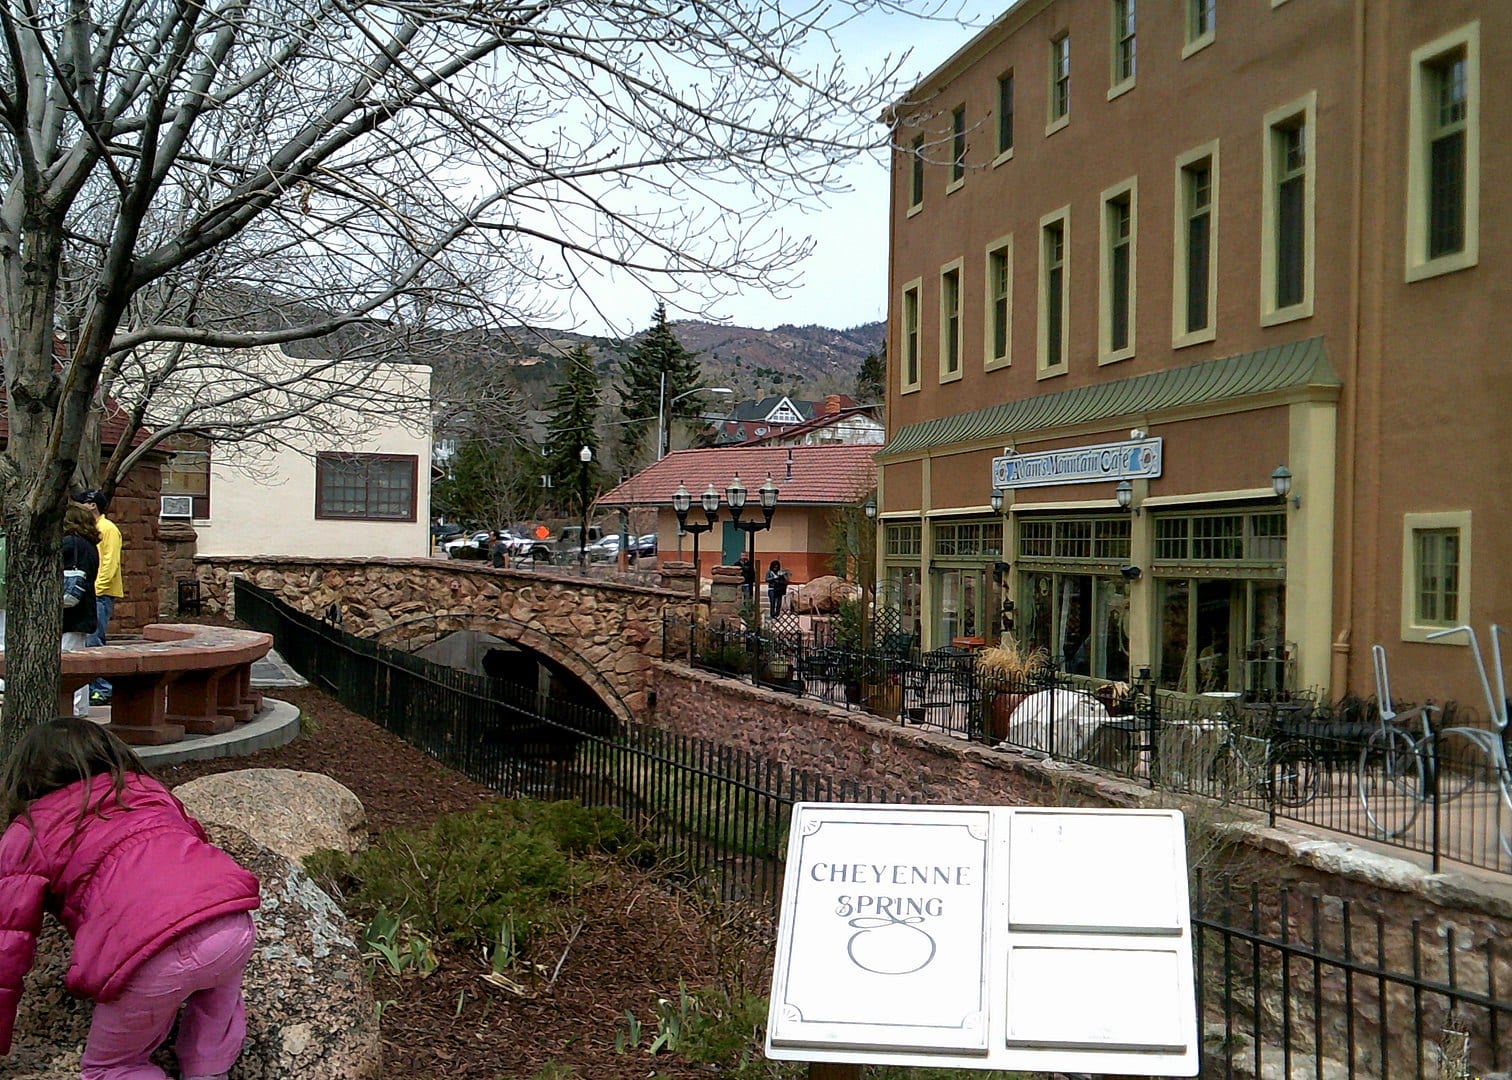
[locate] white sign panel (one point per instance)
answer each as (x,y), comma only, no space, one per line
(886,926)
(986,937)
(1137,460)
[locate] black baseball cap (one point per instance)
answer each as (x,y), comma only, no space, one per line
(92,496)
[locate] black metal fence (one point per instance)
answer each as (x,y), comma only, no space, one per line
(1329,764)
(1290,985)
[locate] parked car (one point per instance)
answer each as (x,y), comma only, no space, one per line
(473,545)
(643,546)
(606,549)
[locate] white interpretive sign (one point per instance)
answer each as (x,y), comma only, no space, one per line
(985,937)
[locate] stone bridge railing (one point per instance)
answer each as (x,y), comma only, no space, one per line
(606,633)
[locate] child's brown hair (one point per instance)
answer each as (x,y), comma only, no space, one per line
(60,752)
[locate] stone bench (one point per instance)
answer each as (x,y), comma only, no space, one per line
(177,677)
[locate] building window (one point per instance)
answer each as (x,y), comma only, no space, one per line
(1053,310)
(1123,45)
(1195,289)
(962,578)
(1005,114)
(1435,574)
(365,487)
(950,322)
(1201,25)
(187,472)
(1072,599)
(910,350)
(902,540)
(999,303)
(1220,600)
(1287,253)
(1060,82)
(957,146)
(1116,299)
(916,173)
(1443,178)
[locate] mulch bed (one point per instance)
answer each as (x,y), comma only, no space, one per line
(636,939)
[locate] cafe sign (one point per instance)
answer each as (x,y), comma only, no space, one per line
(1023,938)
(1139,459)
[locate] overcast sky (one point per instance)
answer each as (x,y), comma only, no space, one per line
(844,281)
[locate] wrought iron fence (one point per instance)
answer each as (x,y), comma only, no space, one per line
(1289,757)
(1293,985)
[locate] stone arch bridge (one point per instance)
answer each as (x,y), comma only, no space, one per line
(604,632)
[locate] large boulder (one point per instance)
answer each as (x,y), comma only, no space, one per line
(292,812)
(822,595)
(309,1012)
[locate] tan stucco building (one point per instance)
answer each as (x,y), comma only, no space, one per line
(1189,246)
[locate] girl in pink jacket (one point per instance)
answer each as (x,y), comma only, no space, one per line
(158,914)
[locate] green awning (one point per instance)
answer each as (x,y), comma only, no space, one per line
(1291,366)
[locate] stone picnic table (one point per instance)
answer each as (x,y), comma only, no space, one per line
(175,678)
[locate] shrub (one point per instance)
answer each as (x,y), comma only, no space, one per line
(468,873)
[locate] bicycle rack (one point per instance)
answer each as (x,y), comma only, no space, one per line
(1498,702)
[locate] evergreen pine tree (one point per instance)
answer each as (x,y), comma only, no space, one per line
(871,380)
(657,352)
(573,409)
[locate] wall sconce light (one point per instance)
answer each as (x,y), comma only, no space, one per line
(1124,493)
(870,508)
(1281,484)
(1138,433)
(1130,573)
(997,500)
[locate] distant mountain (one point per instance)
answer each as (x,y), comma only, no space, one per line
(809,361)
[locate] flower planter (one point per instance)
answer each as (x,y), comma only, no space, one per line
(1003,704)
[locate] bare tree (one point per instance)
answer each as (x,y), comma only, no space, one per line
(236,174)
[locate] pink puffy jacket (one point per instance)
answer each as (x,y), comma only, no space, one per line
(124,883)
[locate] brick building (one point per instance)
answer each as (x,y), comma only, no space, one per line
(1151,266)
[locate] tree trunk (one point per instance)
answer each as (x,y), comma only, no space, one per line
(34,624)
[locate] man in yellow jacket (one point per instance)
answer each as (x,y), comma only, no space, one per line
(108,583)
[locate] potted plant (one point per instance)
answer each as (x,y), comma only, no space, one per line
(1010,671)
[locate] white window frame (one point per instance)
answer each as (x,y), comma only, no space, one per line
(1127,189)
(1042,369)
(1002,153)
(1412,524)
(1180,335)
(915,290)
(1196,43)
(953,267)
(1003,246)
(1117,83)
(957,149)
(916,167)
(1276,120)
(1466,39)
(1053,121)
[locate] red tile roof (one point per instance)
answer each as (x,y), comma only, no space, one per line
(820,475)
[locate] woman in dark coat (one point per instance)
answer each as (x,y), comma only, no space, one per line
(80,554)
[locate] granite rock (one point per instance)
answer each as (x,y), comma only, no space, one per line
(292,812)
(309,1012)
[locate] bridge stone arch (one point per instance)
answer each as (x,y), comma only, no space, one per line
(516,633)
(607,632)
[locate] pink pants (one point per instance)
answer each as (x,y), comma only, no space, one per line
(200,970)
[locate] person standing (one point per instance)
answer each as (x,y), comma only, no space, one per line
(109,586)
(498,551)
(777,586)
(81,561)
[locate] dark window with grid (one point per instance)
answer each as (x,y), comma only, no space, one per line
(1449,111)
(958,144)
(1197,193)
(1036,539)
(950,318)
(1437,554)
(916,190)
(968,539)
(366,487)
(1120,270)
(1054,246)
(1123,40)
(1060,76)
(1005,113)
(901,540)
(1257,537)
(1290,148)
(997,283)
(911,337)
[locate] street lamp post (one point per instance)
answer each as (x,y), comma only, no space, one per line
(663,406)
(735,495)
(585,455)
(682,501)
(869,574)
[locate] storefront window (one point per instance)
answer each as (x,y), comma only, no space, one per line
(963,557)
(1080,619)
(1221,607)
(900,602)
